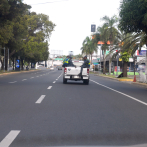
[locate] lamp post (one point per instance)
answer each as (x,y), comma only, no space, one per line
(100,55)
(146,64)
(117,65)
(8,61)
(4,59)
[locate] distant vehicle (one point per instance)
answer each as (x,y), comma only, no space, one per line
(71,73)
(51,68)
(59,67)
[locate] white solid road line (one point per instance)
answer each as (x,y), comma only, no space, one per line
(9,138)
(49,87)
(13,82)
(135,99)
(40,99)
(24,79)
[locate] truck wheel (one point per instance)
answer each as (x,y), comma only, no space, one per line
(86,82)
(64,81)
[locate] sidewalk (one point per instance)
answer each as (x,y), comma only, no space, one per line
(126,80)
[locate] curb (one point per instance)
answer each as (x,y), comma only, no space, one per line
(17,72)
(117,79)
(129,80)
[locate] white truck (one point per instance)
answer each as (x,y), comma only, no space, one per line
(71,73)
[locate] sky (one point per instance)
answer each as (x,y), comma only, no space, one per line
(73,19)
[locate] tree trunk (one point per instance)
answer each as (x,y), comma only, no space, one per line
(104,62)
(13,62)
(110,66)
(91,59)
(111,47)
(2,63)
(125,65)
(21,64)
(6,58)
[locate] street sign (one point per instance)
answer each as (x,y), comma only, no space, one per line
(93,28)
(17,65)
(120,59)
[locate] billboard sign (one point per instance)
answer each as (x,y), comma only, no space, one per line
(142,53)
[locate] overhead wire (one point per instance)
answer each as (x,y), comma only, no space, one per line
(48,2)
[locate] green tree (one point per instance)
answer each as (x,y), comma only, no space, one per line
(89,47)
(39,31)
(125,46)
(11,20)
(104,37)
(9,11)
(110,24)
(133,16)
(125,57)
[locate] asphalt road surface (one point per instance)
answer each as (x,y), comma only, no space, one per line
(38,110)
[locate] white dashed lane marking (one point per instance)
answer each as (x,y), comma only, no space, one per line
(24,79)
(135,99)
(54,82)
(31,77)
(40,99)
(6,142)
(12,82)
(49,87)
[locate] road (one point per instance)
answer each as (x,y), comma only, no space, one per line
(38,110)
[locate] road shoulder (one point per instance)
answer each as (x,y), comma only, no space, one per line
(124,80)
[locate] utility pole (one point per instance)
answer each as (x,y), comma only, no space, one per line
(146,64)
(4,59)
(134,65)
(117,65)
(100,55)
(8,61)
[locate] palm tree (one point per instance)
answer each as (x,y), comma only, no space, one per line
(104,37)
(89,47)
(111,31)
(127,44)
(131,43)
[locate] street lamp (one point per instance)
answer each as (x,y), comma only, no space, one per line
(117,65)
